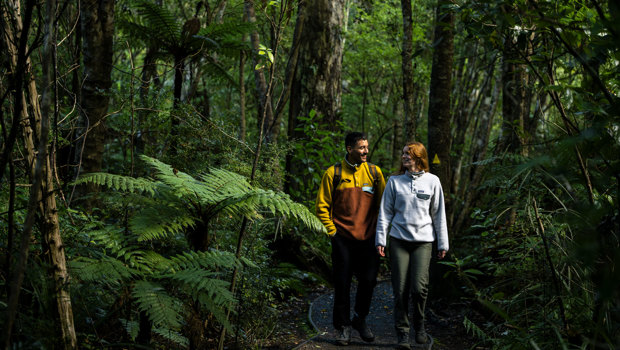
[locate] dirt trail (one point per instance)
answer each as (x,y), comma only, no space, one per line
(444,323)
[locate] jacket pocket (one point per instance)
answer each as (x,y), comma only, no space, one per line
(423,196)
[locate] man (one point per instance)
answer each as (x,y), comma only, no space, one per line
(348,204)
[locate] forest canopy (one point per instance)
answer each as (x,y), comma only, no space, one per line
(160,160)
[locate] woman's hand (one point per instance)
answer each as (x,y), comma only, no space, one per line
(381,250)
(441,254)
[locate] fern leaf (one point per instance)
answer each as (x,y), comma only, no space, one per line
(161,22)
(212,260)
(173,336)
(105,269)
(218,312)
(197,281)
(161,308)
(158,222)
(118,182)
(472,328)
(131,327)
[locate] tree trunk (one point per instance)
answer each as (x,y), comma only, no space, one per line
(316,84)
(515,104)
(439,141)
(478,152)
(42,195)
(242,120)
(408,87)
(97,23)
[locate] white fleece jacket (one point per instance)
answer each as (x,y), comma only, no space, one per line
(414,206)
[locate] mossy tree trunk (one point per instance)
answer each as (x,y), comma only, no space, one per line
(42,201)
(439,138)
(316,84)
(97,28)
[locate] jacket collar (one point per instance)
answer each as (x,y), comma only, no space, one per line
(414,174)
(352,166)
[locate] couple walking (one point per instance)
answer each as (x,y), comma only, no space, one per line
(359,210)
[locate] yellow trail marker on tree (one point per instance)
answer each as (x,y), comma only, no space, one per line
(436,159)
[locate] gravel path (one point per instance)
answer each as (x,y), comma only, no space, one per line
(380,320)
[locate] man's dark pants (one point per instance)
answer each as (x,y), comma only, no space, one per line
(353,258)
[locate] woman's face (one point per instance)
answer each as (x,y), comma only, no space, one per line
(408,162)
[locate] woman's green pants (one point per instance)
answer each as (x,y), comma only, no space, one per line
(410,263)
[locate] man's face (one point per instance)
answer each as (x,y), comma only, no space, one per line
(359,152)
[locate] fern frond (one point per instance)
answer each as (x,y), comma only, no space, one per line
(131,327)
(476,331)
(173,336)
(162,22)
(153,262)
(161,308)
(113,239)
(221,184)
(158,222)
(119,182)
(276,202)
(213,260)
(181,183)
(106,269)
(200,281)
(218,312)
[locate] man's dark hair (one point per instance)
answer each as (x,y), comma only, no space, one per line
(352,138)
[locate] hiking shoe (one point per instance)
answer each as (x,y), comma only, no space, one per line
(359,324)
(403,341)
(343,335)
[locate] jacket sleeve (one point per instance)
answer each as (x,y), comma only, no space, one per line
(386,213)
(438,215)
(323,204)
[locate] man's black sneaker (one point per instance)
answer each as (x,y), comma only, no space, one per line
(403,341)
(343,335)
(359,324)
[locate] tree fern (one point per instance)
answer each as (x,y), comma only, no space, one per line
(158,22)
(215,192)
(165,207)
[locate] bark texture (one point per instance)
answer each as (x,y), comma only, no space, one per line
(97,24)
(317,80)
(316,84)
(42,202)
(407,68)
(439,140)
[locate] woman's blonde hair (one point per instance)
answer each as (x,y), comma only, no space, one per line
(418,153)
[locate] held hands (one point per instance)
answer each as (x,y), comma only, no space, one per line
(381,251)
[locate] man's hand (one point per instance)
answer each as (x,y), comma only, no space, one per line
(381,250)
(441,254)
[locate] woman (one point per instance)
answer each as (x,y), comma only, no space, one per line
(413,203)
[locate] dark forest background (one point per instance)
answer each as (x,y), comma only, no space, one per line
(160,159)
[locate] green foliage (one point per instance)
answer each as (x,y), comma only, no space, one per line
(187,200)
(320,149)
(164,208)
